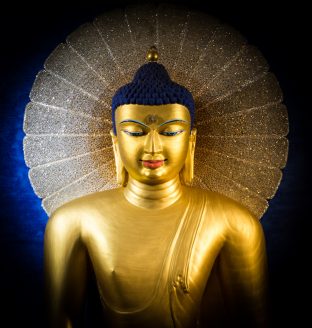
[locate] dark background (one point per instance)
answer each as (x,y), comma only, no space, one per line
(29,33)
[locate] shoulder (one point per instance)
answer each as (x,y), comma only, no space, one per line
(218,202)
(232,217)
(73,213)
(86,203)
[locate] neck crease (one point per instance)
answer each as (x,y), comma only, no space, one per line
(153,196)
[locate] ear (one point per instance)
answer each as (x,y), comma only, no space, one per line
(121,173)
(192,141)
(187,173)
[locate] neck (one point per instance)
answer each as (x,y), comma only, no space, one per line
(153,196)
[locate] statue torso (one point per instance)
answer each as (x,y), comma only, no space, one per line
(148,262)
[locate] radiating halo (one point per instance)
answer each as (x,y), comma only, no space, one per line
(241,121)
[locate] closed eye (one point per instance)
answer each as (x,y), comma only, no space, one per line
(171,133)
(133,133)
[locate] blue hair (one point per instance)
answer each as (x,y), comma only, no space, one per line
(152,85)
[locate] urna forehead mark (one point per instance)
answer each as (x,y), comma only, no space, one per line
(150,119)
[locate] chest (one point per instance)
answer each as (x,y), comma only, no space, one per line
(138,255)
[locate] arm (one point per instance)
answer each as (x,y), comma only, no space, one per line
(65,261)
(243,271)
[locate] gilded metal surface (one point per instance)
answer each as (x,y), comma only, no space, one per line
(152,54)
(239,117)
(164,255)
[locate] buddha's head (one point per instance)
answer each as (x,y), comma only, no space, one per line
(153,133)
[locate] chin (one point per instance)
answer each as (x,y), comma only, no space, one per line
(159,172)
(154,176)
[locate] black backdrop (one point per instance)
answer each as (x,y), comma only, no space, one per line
(29,33)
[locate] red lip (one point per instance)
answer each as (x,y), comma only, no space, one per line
(153,164)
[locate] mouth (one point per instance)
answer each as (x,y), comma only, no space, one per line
(153,164)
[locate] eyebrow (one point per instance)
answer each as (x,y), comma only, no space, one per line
(172,121)
(134,121)
(143,124)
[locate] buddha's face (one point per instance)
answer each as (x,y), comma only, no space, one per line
(153,140)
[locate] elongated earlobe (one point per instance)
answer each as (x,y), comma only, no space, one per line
(187,172)
(121,173)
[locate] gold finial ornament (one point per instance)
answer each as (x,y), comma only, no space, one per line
(152,54)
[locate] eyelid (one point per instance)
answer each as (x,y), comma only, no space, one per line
(133,133)
(172,133)
(122,124)
(170,127)
(133,127)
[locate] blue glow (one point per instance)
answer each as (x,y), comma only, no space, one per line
(23,220)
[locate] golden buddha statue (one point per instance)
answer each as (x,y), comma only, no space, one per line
(176,242)
(164,254)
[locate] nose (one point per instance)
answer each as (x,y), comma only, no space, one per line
(153,143)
